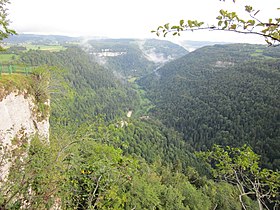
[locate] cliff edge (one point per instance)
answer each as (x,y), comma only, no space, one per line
(21,118)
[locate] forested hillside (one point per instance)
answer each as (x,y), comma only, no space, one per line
(89,92)
(95,90)
(101,157)
(132,57)
(224,94)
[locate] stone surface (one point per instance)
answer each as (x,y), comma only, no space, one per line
(18,120)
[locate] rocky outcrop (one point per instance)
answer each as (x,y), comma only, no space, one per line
(19,121)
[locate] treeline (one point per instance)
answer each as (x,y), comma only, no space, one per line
(227,95)
(94,90)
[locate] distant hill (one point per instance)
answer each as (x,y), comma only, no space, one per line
(193,45)
(40,39)
(132,57)
(125,57)
(222,94)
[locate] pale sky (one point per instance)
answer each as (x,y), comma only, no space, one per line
(128,18)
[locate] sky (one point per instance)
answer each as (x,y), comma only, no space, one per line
(129,18)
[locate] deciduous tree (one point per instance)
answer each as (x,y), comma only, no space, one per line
(240,167)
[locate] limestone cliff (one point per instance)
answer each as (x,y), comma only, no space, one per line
(19,121)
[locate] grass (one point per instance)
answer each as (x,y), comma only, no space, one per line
(51,48)
(145,105)
(13,82)
(27,85)
(6,58)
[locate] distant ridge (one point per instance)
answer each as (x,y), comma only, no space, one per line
(37,38)
(193,45)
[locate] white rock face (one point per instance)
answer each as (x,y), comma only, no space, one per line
(17,119)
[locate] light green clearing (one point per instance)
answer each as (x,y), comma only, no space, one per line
(5,58)
(132,79)
(51,48)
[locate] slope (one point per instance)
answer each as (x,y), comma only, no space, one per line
(132,57)
(224,94)
(95,90)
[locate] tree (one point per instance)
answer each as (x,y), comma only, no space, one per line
(5,31)
(230,21)
(240,167)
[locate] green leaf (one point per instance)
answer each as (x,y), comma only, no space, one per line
(248,8)
(160,27)
(226,25)
(233,27)
(222,12)
(251,22)
(200,24)
(182,22)
(166,26)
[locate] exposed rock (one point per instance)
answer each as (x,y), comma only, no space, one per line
(129,113)
(18,120)
(223,64)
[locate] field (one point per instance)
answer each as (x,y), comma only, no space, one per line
(5,58)
(51,48)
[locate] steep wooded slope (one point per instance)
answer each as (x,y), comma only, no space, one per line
(132,57)
(225,94)
(95,89)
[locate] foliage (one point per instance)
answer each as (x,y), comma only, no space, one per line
(94,91)
(230,21)
(149,140)
(98,174)
(79,172)
(5,31)
(104,160)
(240,166)
(33,177)
(223,94)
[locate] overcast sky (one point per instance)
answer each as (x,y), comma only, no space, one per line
(127,18)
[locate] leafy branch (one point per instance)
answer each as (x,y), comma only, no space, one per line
(240,167)
(5,31)
(229,21)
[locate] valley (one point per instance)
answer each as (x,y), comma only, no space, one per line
(128,118)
